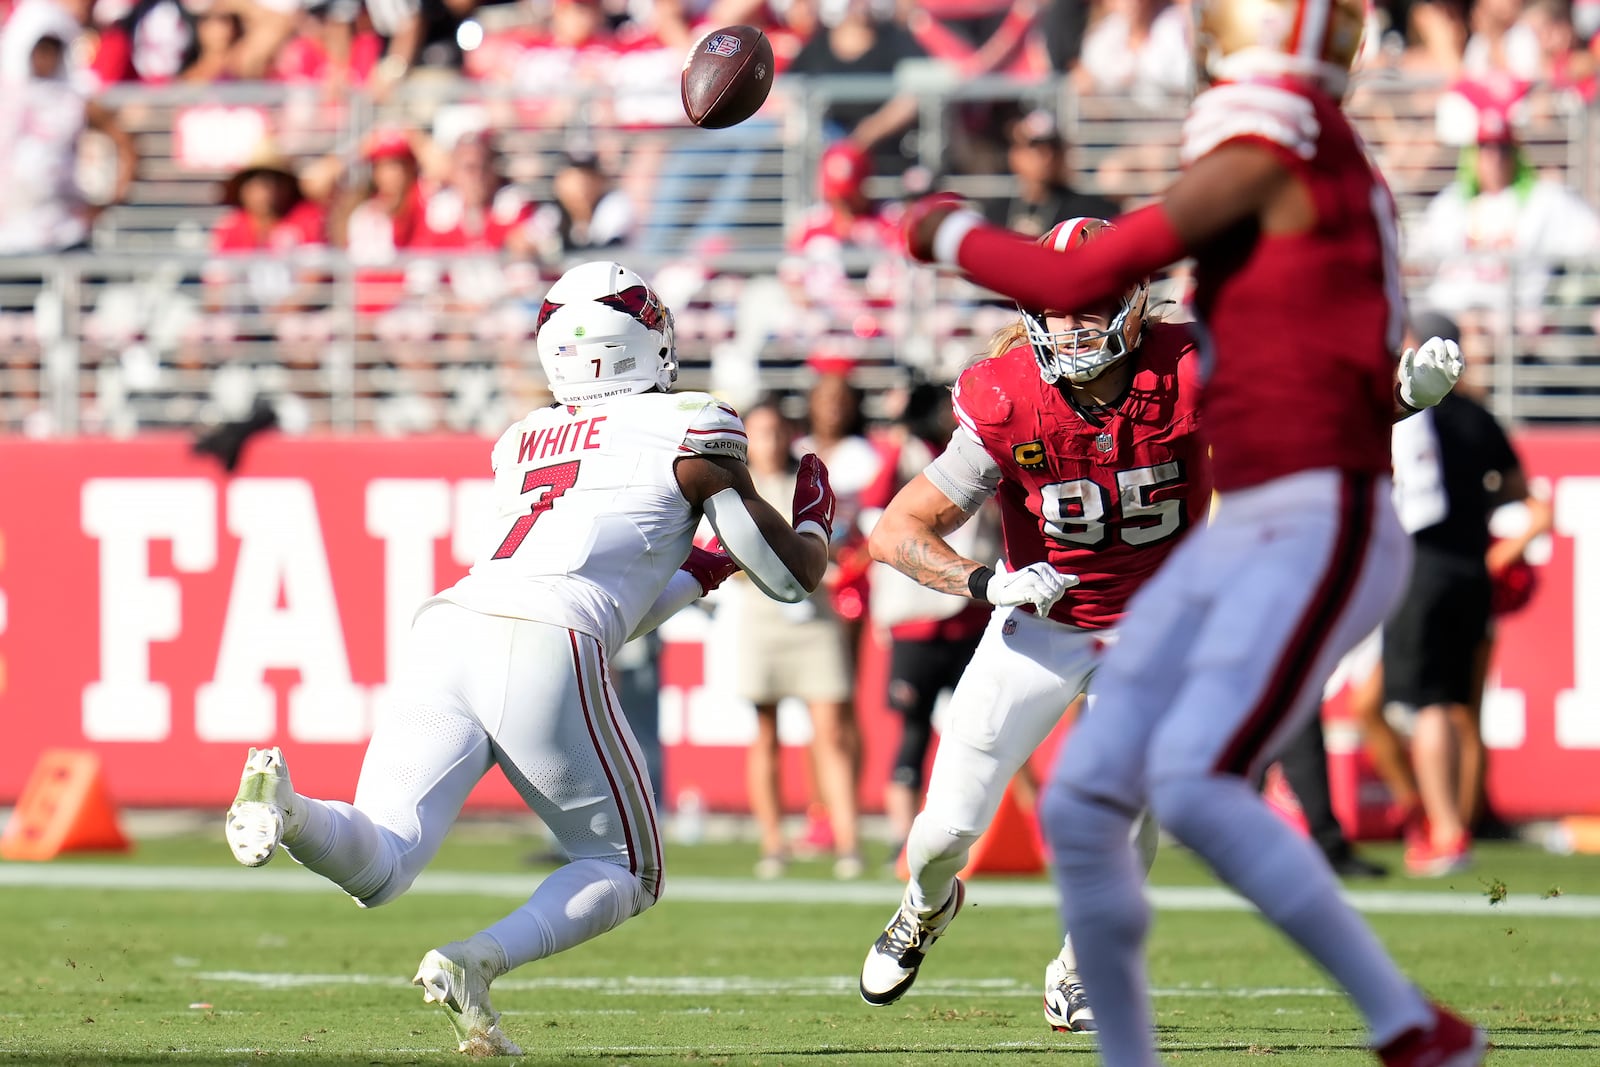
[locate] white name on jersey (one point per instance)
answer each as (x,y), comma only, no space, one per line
(549,441)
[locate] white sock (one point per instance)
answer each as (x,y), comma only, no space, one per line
(935,853)
(343,844)
(582,900)
(1281,872)
(485,946)
(1099,877)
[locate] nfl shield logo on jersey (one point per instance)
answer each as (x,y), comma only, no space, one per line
(722,44)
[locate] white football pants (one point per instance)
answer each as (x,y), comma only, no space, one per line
(1221,658)
(1025,673)
(477,691)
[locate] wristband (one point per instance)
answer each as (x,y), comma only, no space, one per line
(978,583)
(951,232)
(1400,398)
(813,526)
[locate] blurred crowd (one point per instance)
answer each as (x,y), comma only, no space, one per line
(421,247)
(626,45)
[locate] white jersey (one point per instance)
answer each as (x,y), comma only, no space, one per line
(41,122)
(589,522)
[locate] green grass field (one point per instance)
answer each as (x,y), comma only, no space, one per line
(110,963)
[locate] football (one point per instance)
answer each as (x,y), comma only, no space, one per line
(727,76)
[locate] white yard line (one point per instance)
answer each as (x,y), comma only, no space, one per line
(725,985)
(545,1048)
(287,878)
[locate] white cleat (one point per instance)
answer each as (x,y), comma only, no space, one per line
(1066,1006)
(263,809)
(457,976)
(896,956)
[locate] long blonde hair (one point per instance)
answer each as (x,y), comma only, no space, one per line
(1005,339)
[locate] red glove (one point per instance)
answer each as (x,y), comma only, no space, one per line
(709,566)
(922,221)
(813,496)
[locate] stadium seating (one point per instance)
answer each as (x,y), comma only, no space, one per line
(134,334)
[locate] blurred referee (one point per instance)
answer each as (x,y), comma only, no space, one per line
(1453,467)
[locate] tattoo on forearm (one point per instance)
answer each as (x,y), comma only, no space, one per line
(933,564)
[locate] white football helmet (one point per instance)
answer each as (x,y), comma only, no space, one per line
(1084,354)
(603,332)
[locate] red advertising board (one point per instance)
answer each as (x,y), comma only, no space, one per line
(168,617)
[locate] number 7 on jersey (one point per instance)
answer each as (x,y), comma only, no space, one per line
(548,483)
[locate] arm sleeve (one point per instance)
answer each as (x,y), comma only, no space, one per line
(1141,243)
(965,472)
(742,539)
(681,591)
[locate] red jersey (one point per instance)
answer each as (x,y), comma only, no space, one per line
(826,228)
(236,232)
(448,224)
(1305,327)
(1104,496)
(304,59)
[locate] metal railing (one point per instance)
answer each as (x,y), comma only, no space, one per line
(114,344)
(149,331)
(749,185)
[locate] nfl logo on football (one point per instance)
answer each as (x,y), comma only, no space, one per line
(722,44)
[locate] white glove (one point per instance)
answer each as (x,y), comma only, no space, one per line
(1038,584)
(1427,374)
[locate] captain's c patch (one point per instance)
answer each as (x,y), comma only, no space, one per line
(1029,454)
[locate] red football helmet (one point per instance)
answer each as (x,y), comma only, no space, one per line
(1084,353)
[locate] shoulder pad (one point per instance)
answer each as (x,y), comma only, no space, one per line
(506,446)
(1168,345)
(714,429)
(1255,110)
(982,395)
